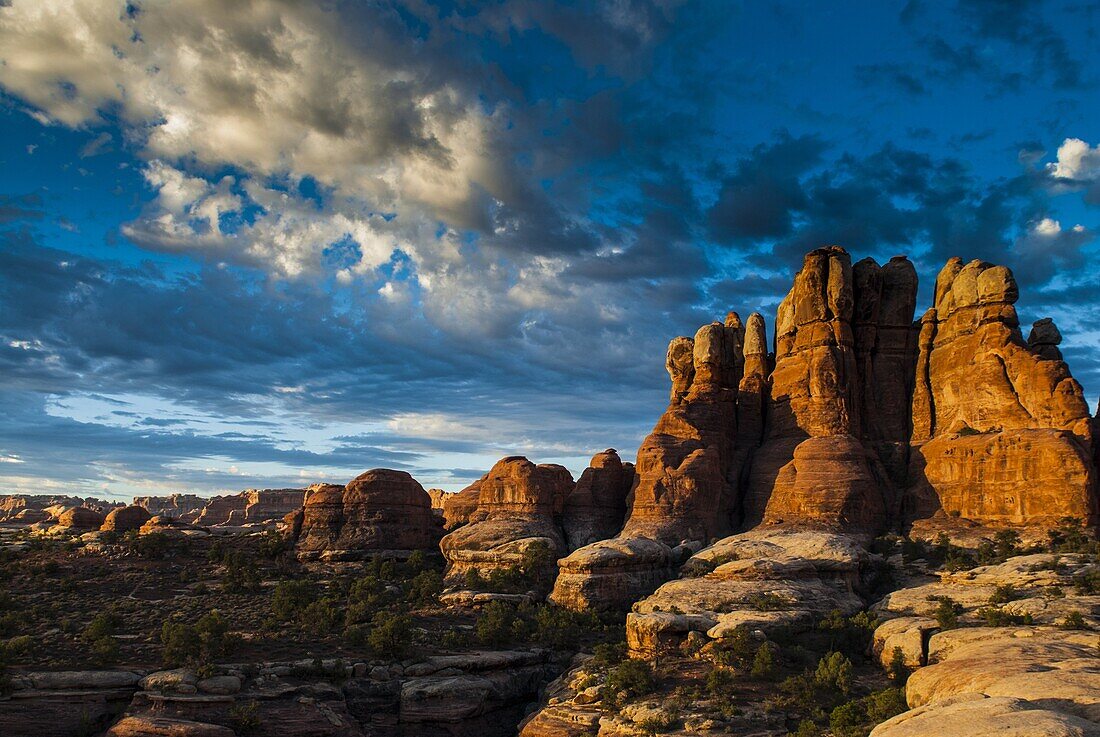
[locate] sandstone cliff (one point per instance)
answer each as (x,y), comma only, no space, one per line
(1001,430)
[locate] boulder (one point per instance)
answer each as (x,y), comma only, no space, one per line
(379,512)
(977,715)
(149,726)
(78,519)
(125,519)
(611,574)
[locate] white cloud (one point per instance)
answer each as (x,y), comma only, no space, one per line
(1077,161)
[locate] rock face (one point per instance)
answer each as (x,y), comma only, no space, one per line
(12,504)
(768,578)
(837,408)
(594,510)
(1001,431)
(380,511)
(125,519)
(187,507)
(459,508)
(78,519)
(517,503)
(251,506)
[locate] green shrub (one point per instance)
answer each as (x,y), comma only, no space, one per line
(719,681)
(1073,620)
(195,645)
(390,635)
(1004,594)
(767,601)
(494,625)
(322,616)
(1070,537)
(273,544)
(834,672)
(738,649)
(290,598)
(947,612)
(998,617)
(424,588)
(764,663)
(1088,583)
(245,719)
(608,654)
(898,670)
(629,679)
(856,717)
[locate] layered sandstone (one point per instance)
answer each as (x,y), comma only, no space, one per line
(182,506)
(251,506)
(514,521)
(12,504)
(595,508)
(837,406)
(1001,431)
(78,519)
(379,512)
(125,519)
(459,508)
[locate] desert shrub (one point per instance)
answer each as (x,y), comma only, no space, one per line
(719,681)
(241,574)
(898,670)
(856,717)
(1073,620)
(195,645)
(244,718)
(1070,536)
(738,649)
(1088,583)
(390,635)
(99,635)
(536,558)
(999,617)
(290,598)
(563,629)
(495,624)
(767,601)
(608,654)
(806,728)
(765,663)
(1004,594)
(153,546)
(699,567)
(273,544)
(629,679)
(322,616)
(947,612)
(849,635)
(424,588)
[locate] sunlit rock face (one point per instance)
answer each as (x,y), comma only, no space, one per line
(379,512)
(596,506)
(518,503)
(837,419)
(1001,430)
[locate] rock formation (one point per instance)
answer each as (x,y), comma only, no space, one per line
(594,510)
(842,342)
(1001,431)
(517,503)
(251,506)
(12,504)
(379,512)
(459,508)
(187,507)
(125,519)
(78,519)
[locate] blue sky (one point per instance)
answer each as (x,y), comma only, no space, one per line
(267,243)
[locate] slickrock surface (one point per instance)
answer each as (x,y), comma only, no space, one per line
(841,345)
(125,519)
(1043,587)
(975,715)
(596,507)
(379,511)
(1001,431)
(517,504)
(766,578)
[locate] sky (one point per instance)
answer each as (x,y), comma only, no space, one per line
(269,243)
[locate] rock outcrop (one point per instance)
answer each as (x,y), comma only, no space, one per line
(125,519)
(837,408)
(380,512)
(12,504)
(78,520)
(251,506)
(1001,431)
(596,507)
(459,508)
(515,515)
(769,578)
(187,507)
